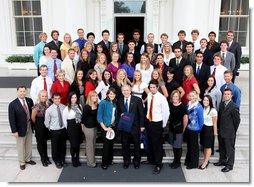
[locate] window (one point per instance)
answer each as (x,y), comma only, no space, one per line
(131,6)
(234,16)
(28,21)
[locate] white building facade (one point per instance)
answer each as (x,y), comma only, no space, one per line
(23,20)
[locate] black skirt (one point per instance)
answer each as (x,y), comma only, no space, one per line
(41,131)
(74,133)
(207,136)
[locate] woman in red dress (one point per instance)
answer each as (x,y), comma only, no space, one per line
(189,83)
(61,86)
(91,81)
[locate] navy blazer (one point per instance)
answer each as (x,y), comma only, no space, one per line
(203,76)
(136,107)
(17,116)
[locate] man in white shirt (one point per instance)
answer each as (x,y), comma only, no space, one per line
(69,65)
(195,41)
(157,115)
(217,70)
(43,82)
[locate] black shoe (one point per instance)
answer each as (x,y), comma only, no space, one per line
(219,164)
(31,162)
(202,168)
(58,165)
(22,167)
(171,164)
(156,170)
(125,166)
(44,163)
(188,167)
(176,165)
(63,163)
(48,161)
(78,163)
(136,166)
(226,169)
(104,167)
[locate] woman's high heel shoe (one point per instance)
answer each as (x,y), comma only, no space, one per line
(200,167)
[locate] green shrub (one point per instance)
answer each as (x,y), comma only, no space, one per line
(245,60)
(19,58)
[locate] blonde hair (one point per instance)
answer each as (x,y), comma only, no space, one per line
(147,65)
(89,97)
(173,93)
(87,44)
(191,72)
(60,71)
(135,81)
(67,34)
(42,34)
(125,81)
(160,79)
(195,94)
(74,44)
(39,96)
(99,56)
(110,49)
(170,47)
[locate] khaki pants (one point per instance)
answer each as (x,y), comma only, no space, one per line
(90,135)
(24,146)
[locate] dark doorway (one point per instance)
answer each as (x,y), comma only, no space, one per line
(127,24)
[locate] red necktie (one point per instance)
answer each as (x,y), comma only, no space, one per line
(150,115)
(45,83)
(55,67)
(214,71)
(26,110)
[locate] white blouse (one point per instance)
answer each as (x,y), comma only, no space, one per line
(146,74)
(67,114)
(208,116)
(139,90)
(102,88)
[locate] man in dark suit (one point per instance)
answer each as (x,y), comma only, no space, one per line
(138,42)
(189,55)
(235,48)
(131,104)
(136,54)
(55,43)
(228,123)
(207,54)
(122,47)
(105,41)
(212,45)
(181,42)
(19,112)
(178,64)
(201,72)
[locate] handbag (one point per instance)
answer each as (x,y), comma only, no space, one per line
(126,121)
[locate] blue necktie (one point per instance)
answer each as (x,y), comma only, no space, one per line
(126,105)
(198,70)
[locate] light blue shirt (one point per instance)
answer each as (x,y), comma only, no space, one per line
(50,65)
(38,52)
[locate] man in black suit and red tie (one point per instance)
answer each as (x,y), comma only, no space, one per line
(19,112)
(131,104)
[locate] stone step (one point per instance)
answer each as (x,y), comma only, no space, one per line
(241,156)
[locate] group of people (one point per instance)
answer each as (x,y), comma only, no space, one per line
(187,88)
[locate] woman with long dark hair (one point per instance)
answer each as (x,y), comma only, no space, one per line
(78,86)
(129,65)
(104,84)
(91,81)
(84,63)
(72,115)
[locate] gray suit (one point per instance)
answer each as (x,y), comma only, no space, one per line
(229,61)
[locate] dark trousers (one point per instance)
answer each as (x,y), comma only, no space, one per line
(192,156)
(133,136)
(227,151)
(58,145)
(155,139)
(107,150)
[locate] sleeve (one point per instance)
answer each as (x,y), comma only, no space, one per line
(232,64)
(86,112)
(33,91)
(12,118)
(218,99)
(88,87)
(99,87)
(36,55)
(238,55)
(53,88)
(100,112)
(141,113)
(237,96)
(65,116)
(236,117)
(214,112)
(47,119)
(166,112)
(200,116)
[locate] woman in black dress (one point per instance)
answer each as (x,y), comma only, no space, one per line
(178,120)
(41,132)
(72,115)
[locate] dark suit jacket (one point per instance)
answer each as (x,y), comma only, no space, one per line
(214,48)
(105,47)
(178,69)
(237,50)
(136,107)
(53,45)
(228,120)
(192,58)
(138,45)
(202,78)
(178,44)
(208,56)
(123,54)
(17,116)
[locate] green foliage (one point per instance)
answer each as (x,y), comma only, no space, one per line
(245,60)
(19,58)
